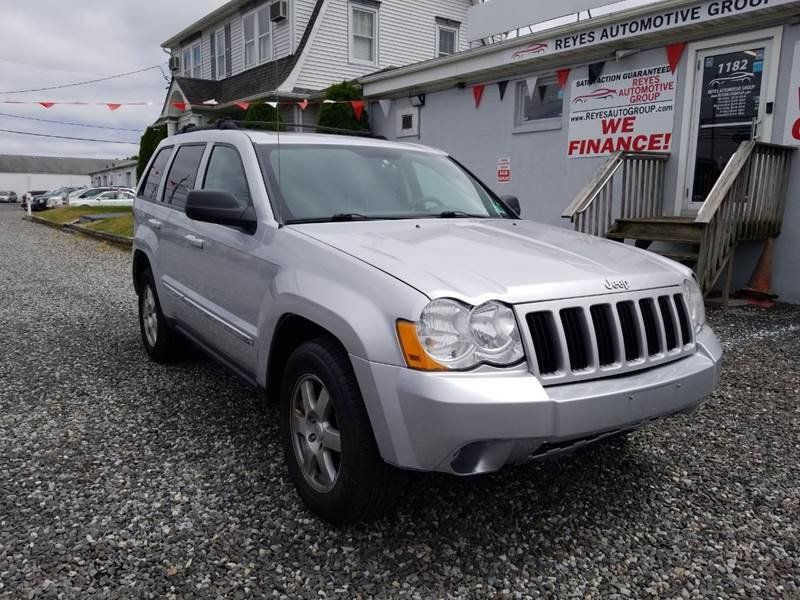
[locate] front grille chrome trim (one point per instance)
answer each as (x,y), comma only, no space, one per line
(574,352)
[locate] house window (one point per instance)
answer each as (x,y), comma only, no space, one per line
(257,33)
(219,52)
(408,122)
(191,61)
(545,101)
(363,34)
(446,41)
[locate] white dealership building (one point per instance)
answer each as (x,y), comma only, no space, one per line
(670,123)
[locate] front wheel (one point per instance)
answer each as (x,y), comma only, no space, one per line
(329,447)
(162,343)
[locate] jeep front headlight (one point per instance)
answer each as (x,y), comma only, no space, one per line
(453,336)
(695,302)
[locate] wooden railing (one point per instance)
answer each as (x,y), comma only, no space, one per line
(746,203)
(634,193)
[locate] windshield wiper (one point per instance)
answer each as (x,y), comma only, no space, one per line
(460,214)
(350,217)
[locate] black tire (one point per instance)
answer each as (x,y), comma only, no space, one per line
(168,346)
(365,486)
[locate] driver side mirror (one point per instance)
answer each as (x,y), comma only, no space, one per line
(513,203)
(221,208)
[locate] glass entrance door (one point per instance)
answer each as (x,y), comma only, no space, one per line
(728,101)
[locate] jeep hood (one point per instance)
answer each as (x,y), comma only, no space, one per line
(482,259)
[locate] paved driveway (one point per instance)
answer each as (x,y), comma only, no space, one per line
(122,478)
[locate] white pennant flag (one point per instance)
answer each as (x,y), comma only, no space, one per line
(329,101)
(386,105)
(530,83)
(272,104)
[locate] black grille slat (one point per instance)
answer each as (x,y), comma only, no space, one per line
(544,339)
(683,319)
(630,337)
(670,330)
(572,321)
(604,334)
(650,326)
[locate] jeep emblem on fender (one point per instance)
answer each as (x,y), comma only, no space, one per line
(621,284)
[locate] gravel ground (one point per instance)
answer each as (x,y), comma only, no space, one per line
(122,478)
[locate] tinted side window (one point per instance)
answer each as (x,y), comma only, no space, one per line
(182,175)
(226,173)
(154,175)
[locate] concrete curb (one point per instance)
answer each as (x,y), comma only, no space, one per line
(117,240)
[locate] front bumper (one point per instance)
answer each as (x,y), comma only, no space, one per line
(468,423)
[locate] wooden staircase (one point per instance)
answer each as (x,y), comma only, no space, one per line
(624,201)
(683,235)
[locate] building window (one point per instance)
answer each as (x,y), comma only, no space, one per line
(219,52)
(446,38)
(545,101)
(257,33)
(408,122)
(191,61)
(363,34)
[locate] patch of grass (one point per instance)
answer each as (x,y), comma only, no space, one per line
(116,225)
(73,213)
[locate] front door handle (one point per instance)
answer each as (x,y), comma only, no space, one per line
(194,241)
(154,223)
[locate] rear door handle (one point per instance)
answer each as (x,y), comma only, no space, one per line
(154,223)
(194,241)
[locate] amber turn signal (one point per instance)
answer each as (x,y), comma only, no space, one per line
(413,352)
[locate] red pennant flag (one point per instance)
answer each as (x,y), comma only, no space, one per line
(477,93)
(181,106)
(113,106)
(563,76)
(358,108)
(304,104)
(48,104)
(674,53)
(243,105)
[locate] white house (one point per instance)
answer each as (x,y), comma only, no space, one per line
(118,174)
(250,50)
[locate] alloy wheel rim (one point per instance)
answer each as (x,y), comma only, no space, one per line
(315,433)
(150,316)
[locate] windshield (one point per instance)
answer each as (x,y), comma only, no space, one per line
(318,183)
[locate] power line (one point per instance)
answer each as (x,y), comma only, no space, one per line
(2,114)
(88,81)
(66,137)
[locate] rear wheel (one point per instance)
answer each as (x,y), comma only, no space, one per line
(329,447)
(162,343)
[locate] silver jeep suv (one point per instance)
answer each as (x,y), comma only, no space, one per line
(404,315)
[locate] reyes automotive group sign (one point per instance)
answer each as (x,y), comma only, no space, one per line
(625,111)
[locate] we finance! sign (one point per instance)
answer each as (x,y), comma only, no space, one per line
(625,111)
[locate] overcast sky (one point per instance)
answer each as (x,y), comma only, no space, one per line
(52,42)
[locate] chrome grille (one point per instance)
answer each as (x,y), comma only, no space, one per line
(573,340)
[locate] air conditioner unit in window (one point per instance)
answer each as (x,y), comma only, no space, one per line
(279,11)
(175,63)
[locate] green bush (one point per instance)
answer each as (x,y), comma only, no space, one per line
(342,116)
(270,117)
(147,145)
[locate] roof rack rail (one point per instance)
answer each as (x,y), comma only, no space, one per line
(245,125)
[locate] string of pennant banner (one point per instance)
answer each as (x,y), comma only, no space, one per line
(674,53)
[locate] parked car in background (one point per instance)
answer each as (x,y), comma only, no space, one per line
(8,197)
(79,197)
(112,198)
(403,313)
(30,195)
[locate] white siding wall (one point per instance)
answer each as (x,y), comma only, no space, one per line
(302,13)
(407,34)
(22,183)
(281,38)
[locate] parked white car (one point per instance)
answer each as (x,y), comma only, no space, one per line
(112,198)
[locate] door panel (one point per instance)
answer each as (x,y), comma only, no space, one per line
(729,103)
